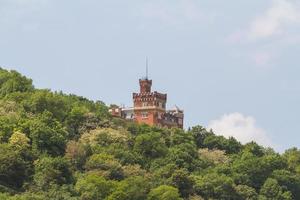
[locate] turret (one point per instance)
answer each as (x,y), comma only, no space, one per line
(145,85)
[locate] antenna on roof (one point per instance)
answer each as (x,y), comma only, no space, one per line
(147,67)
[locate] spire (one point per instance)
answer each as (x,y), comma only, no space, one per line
(147,65)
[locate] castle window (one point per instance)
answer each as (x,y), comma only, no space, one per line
(145,104)
(144,115)
(159,116)
(180,121)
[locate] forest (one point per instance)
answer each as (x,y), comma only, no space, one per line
(58,146)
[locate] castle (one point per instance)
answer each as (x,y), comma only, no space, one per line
(150,108)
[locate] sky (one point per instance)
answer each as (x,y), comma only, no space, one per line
(233,66)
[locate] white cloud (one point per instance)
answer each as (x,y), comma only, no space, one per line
(274,20)
(267,34)
(241,127)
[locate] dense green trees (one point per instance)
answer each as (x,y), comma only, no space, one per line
(12,81)
(49,171)
(92,187)
(164,192)
(64,147)
(14,169)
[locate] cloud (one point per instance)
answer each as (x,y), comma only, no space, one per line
(275,21)
(265,36)
(241,127)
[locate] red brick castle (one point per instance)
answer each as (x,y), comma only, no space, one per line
(150,108)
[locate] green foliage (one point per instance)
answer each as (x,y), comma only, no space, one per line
(164,192)
(12,81)
(181,180)
(246,192)
(107,164)
(292,157)
(50,171)
(7,126)
(215,186)
(184,156)
(92,187)
(253,171)
(14,169)
(65,147)
(150,145)
(77,153)
(19,141)
(271,190)
(288,180)
(133,188)
(47,134)
(3,196)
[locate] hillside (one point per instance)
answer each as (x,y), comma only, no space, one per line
(56,146)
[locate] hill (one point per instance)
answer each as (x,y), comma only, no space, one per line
(60,147)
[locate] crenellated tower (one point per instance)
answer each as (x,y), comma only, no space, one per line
(149,107)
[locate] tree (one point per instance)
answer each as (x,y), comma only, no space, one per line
(230,145)
(253,171)
(133,188)
(12,81)
(48,135)
(181,180)
(214,156)
(91,187)
(199,133)
(245,192)
(105,137)
(7,125)
(184,156)
(150,145)
(27,196)
(215,186)
(271,190)
(254,149)
(77,153)
(4,196)
(105,162)
(292,157)
(75,119)
(50,170)
(14,170)
(164,192)
(288,180)
(179,136)
(19,141)
(44,100)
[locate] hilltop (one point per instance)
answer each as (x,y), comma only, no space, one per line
(59,147)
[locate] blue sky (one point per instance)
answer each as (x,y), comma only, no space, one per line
(233,66)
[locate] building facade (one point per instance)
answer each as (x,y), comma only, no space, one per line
(150,108)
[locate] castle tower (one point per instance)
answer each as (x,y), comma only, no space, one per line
(149,107)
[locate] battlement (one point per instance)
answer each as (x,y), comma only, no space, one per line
(151,95)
